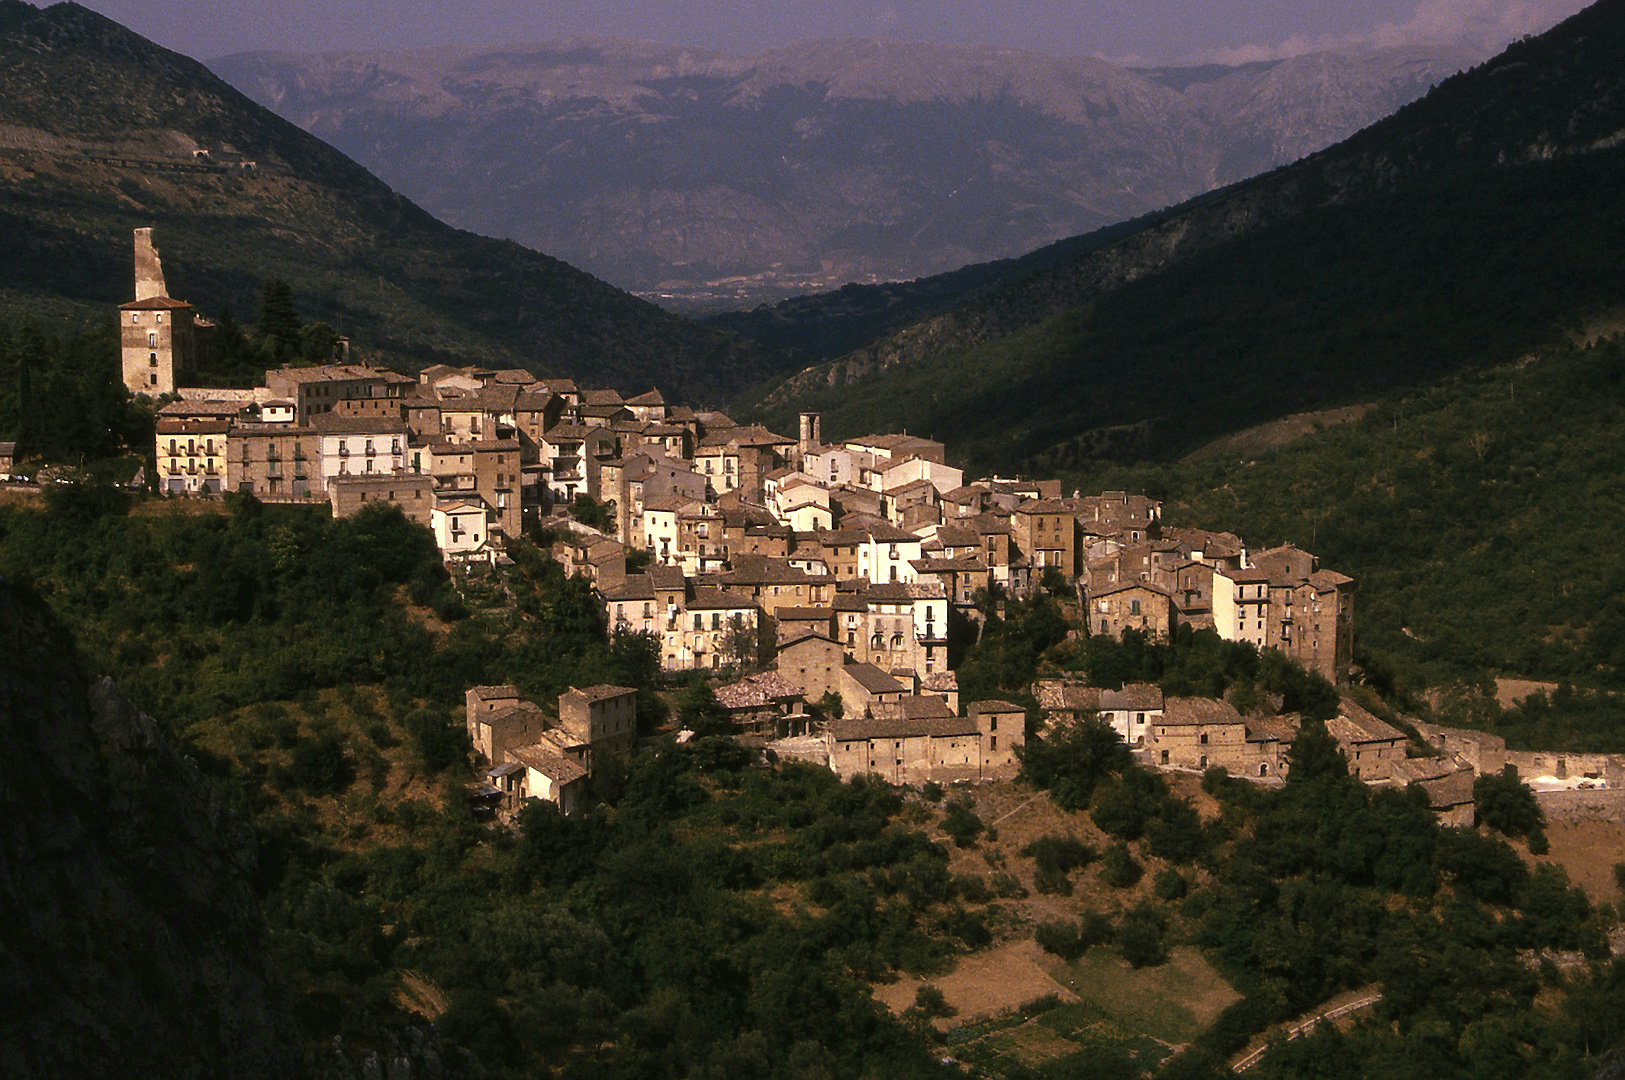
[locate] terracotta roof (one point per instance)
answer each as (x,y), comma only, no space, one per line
(940,682)
(916,707)
(994,706)
(805,614)
(802,635)
(1361,726)
(719,600)
(600,692)
(1271,729)
(487,693)
(1142,697)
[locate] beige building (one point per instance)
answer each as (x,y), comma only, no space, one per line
(1198,733)
(603,718)
(192,457)
(1133,606)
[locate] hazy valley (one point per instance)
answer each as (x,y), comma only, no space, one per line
(718,179)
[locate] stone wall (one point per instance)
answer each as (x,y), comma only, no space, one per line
(1596,804)
(1533,763)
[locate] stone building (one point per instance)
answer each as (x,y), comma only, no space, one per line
(603,718)
(413,494)
(159,337)
(1370,745)
(274,462)
(913,745)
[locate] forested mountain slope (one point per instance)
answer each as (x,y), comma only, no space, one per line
(98,130)
(1468,227)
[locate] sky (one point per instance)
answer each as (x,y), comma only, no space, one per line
(1138,30)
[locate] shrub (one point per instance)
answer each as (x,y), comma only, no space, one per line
(1057,857)
(931,791)
(1506,804)
(931,1001)
(1118,867)
(1170,885)
(1139,936)
(1060,938)
(319,765)
(961,822)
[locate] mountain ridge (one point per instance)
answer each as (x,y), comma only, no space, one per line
(689,173)
(1497,136)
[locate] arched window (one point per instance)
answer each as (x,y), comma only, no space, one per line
(897,641)
(875,642)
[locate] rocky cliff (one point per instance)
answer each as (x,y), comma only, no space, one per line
(131,943)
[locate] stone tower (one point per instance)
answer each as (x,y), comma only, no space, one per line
(157,334)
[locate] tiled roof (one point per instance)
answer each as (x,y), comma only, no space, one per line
(901,728)
(757,691)
(488,693)
(600,692)
(560,770)
(1189,711)
(1354,724)
(873,679)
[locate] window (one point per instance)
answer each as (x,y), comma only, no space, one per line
(152,339)
(134,318)
(993,723)
(152,359)
(1133,607)
(716,620)
(993,743)
(699,623)
(1204,738)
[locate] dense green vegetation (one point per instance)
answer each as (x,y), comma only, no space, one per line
(1326,309)
(62,397)
(710,917)
(1325,886)
(298,658)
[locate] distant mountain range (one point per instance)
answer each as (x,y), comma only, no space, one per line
(711,178)
(99,132)
(1470,227)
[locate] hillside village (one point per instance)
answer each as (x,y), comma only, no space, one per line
(842,579)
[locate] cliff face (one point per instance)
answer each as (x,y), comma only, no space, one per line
(130,944)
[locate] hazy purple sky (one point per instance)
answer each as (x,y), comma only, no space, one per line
(1151,29)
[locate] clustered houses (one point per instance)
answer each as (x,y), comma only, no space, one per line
(530,755)
(1200,733)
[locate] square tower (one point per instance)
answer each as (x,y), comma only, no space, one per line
(157,334)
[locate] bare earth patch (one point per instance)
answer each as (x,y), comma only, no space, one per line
(985,983)
(1276,433)
(1588,850)
(1508,692)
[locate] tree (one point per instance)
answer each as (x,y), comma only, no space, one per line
(1072,759)
(1505,804)
(277,331)
(699,711)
